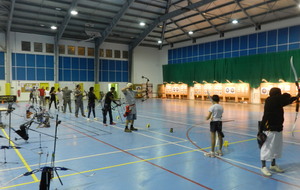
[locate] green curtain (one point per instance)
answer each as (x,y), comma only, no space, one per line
(251,69)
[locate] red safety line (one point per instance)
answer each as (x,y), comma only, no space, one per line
(140,158)
(188,137)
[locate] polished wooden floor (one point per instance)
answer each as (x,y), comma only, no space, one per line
(166,152)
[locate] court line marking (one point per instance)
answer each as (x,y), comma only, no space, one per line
(255,167)
(194,150)
(141,159)
(226,160)
(246,140)
(95,155)
(208,147)
(20,156)
(199,126)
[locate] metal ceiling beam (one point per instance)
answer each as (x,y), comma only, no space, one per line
(245,12)
(166,17)
(223,15)
(113,23)
(180,28)
(11,12)
(150,4)
(209,22)
(208,10)
(66,20)
(218,25)
(164,25)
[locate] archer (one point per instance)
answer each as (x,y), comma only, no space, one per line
(130,114)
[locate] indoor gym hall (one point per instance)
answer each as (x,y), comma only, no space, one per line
(167,151)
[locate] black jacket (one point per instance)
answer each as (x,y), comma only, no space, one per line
(273,117)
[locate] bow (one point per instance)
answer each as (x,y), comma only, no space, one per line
(209,97)
(297,100)
(146,96)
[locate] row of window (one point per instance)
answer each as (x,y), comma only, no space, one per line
(74,50)
(263,42)
(41,68)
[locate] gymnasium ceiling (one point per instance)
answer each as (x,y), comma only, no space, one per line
(117,21)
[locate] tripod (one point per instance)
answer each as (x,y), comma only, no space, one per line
(9,110)
(4,149)
(41,150)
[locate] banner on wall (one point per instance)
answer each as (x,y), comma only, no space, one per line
(27,87)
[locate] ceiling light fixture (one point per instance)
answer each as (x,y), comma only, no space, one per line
(74,12)
(142,24)
(159,41)
(235,21)
(53,27)
(191,32)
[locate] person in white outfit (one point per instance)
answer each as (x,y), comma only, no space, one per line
(59,95)
(215,113)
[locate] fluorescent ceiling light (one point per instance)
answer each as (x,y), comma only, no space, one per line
(74,12)
(159,41)
(53,27)
(235,21)
(142,24)
(191,32)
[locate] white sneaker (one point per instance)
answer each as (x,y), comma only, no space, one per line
(265,171)
(219,153)
(210,154)
(88,119)
(276,169)
(95,119)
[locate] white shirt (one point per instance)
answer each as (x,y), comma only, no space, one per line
(217,112)
(47,93)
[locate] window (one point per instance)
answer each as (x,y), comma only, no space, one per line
(125,54)
(62,49)
(81,50)
(26,46)
(117,54)
(101,52)
(38,47)
(108,53)
(49,48)
(91,51)
(71,50)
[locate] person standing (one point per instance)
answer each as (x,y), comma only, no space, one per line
(31,95)
(52,97)
(272,126)
(67,99)
(215,113)
(131,112)
(59,96)
(109,97)
(47,96)
(35,94)
(42,96)
(91,103)
(78,101)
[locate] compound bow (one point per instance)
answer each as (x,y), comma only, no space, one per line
(297,100)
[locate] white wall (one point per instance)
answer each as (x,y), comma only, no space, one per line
(147,62)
